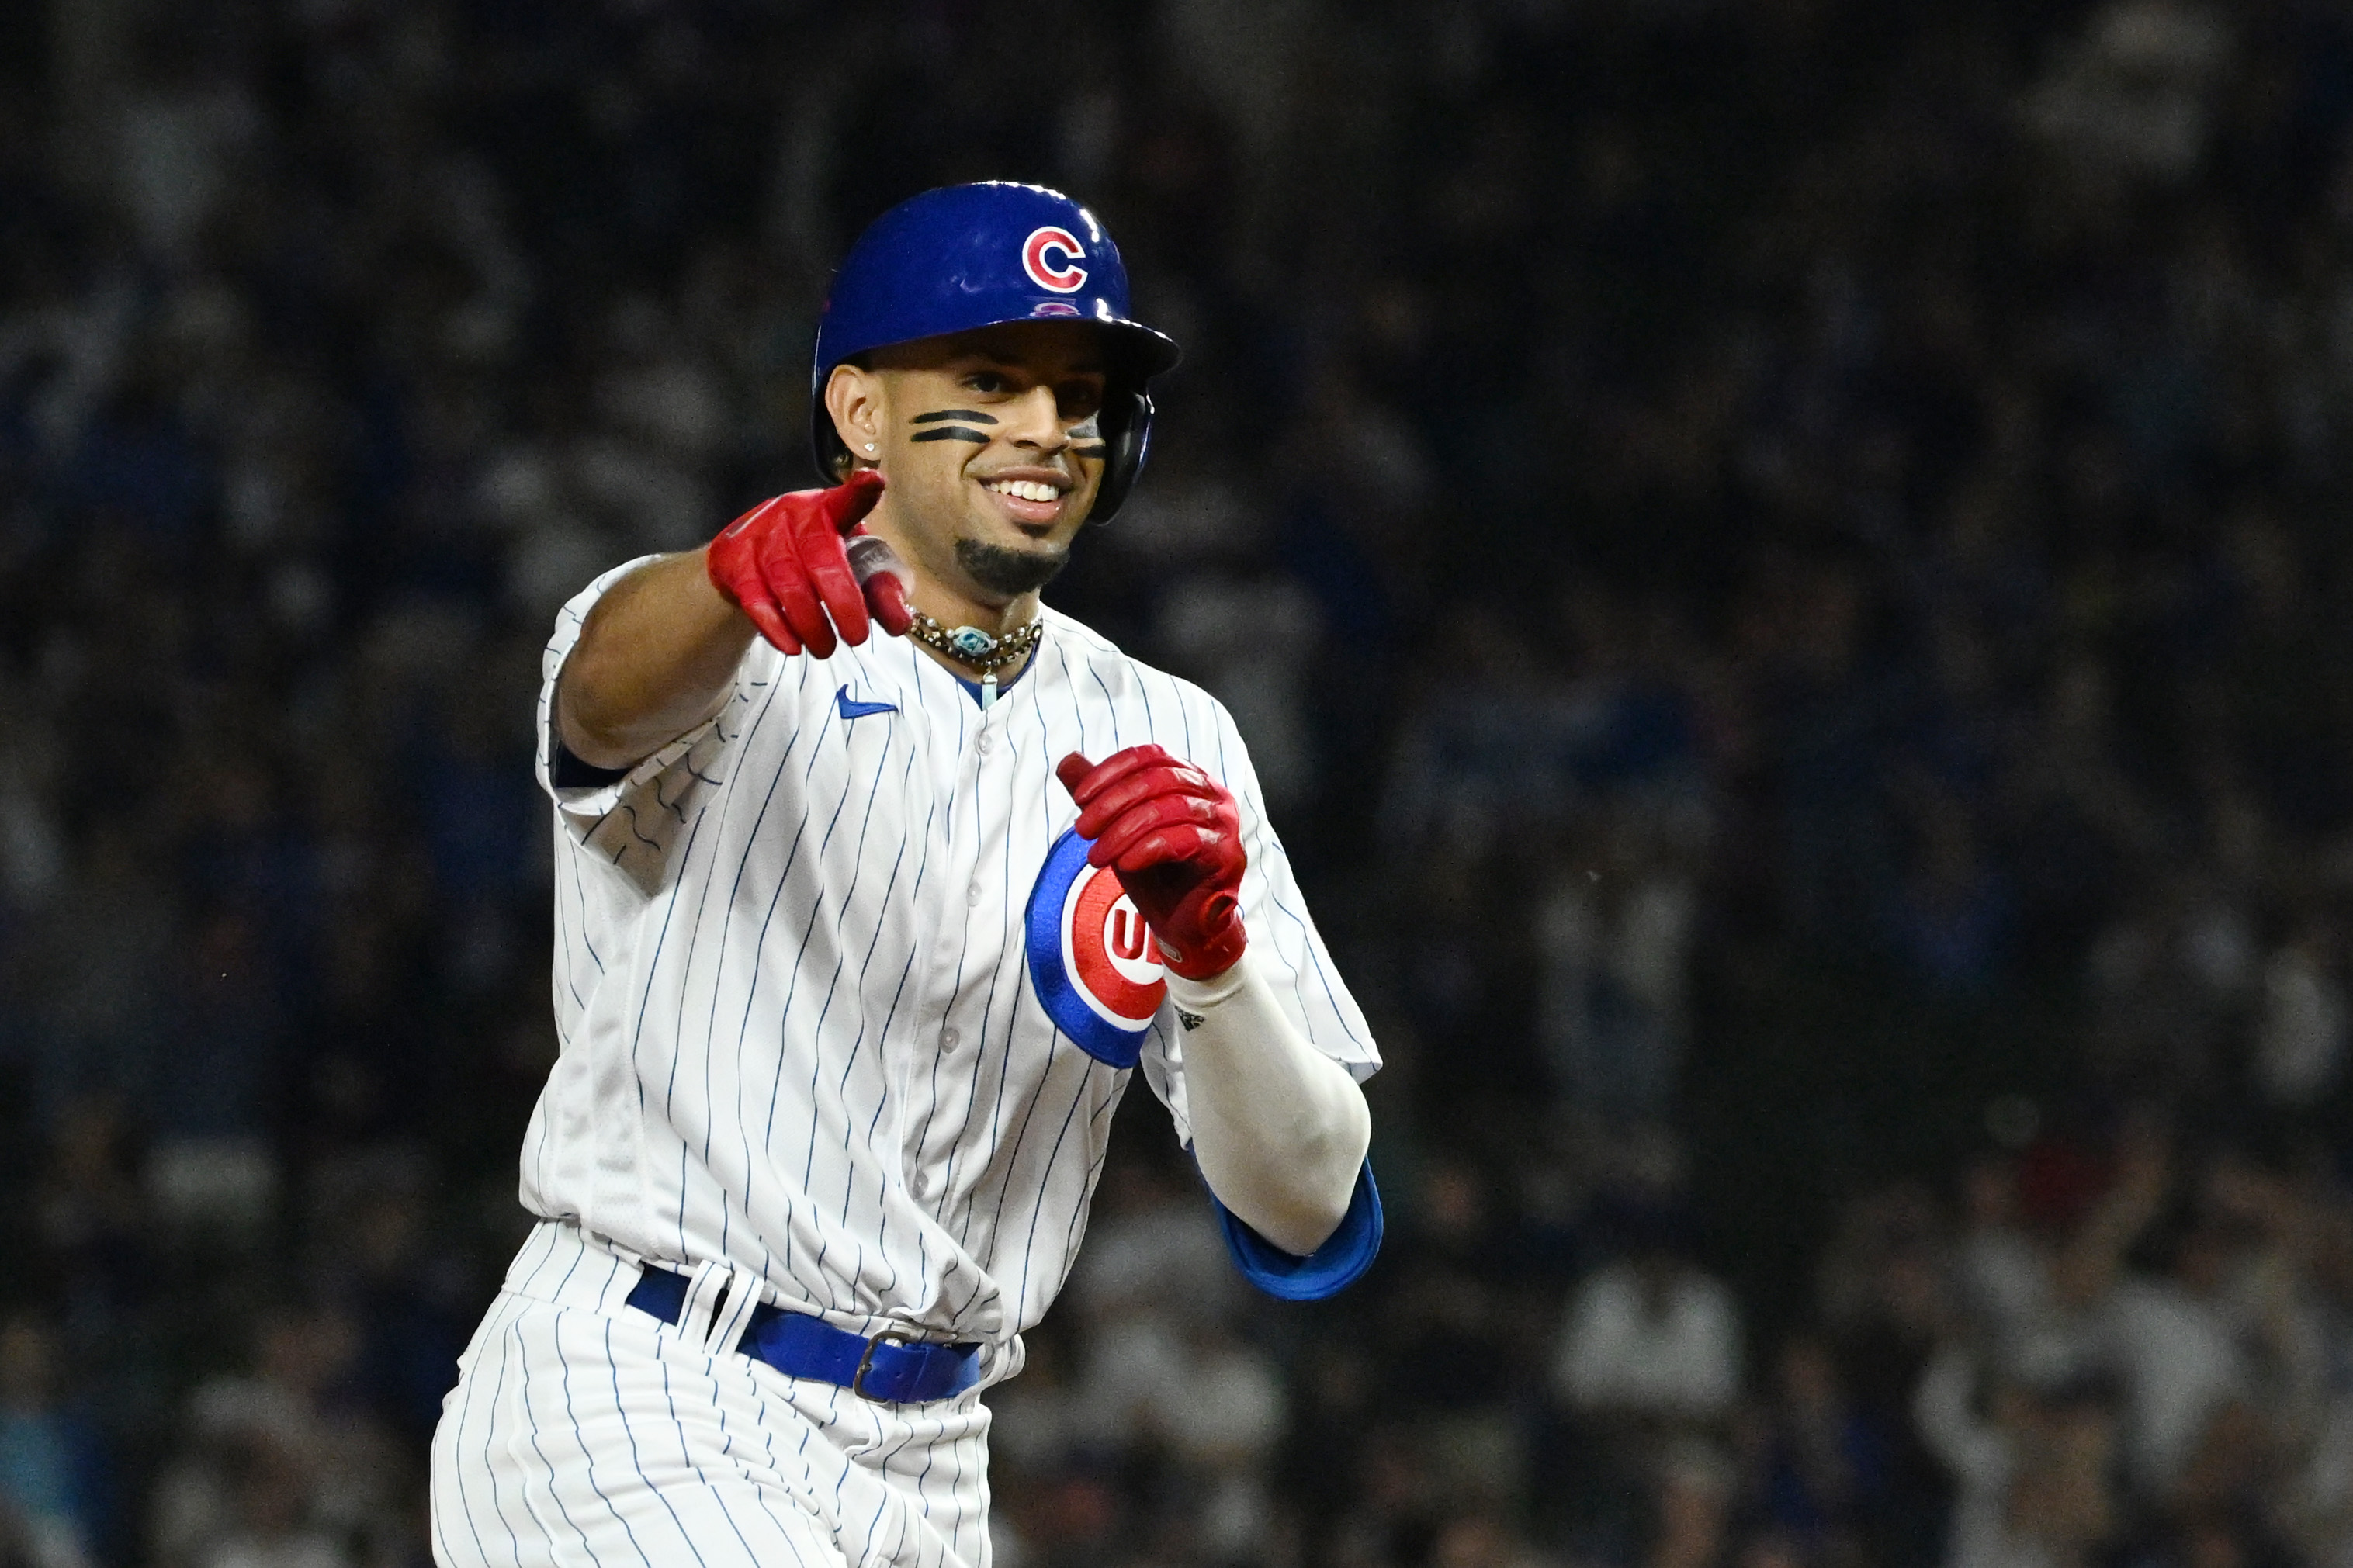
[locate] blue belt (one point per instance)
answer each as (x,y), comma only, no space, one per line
(885,1367)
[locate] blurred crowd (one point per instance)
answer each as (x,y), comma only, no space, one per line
(1780,562)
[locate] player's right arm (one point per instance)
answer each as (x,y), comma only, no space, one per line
(659,651)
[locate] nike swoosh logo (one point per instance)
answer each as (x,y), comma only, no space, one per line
(852,709)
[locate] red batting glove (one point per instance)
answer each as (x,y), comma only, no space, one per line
(1172,835)
(783,564)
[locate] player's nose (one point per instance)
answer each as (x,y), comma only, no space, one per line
(1034,420)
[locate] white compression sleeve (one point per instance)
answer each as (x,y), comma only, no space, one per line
(1279,1129)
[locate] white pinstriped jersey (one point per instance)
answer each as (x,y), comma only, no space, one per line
(800,1033)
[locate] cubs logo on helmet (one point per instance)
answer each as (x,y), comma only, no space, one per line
(1091,959)
(1067,279)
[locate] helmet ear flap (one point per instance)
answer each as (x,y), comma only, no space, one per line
(1127,432)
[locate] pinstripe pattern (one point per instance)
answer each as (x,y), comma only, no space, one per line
(766,934)
(798,1038)
(583,1433)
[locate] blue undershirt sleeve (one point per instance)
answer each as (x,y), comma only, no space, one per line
(1330,1268)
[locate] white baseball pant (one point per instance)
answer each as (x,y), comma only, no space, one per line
(583,1432)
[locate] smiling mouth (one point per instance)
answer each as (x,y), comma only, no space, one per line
(1032,504)
(1026,489)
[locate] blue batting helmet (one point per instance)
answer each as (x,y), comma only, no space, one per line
(963,257)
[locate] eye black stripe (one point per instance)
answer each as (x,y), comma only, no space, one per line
(972,414)
(951,433)
(1091,451)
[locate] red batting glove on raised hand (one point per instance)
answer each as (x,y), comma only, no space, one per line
(784,565)
(1172,835)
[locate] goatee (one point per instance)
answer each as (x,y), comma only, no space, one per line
(1003,570)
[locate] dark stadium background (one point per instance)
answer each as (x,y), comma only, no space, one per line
(1785,564)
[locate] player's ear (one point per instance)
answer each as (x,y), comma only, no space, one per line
(853,396)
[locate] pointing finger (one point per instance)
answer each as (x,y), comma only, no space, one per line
(856,496)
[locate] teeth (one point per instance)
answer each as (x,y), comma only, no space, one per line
(1027,490)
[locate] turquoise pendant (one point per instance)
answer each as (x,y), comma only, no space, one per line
(971,642)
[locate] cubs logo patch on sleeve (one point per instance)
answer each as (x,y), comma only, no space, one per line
(1092,960)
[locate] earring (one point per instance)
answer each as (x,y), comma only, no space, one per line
(870,445)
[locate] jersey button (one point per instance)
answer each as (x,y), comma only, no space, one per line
(972,894)
(982,744)
(918,1185)
(950,1040)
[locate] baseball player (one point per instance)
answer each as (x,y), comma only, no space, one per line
(874,880)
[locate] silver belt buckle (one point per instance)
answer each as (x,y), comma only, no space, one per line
(866,1361)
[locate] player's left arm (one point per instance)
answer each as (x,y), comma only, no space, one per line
(1279,1129)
